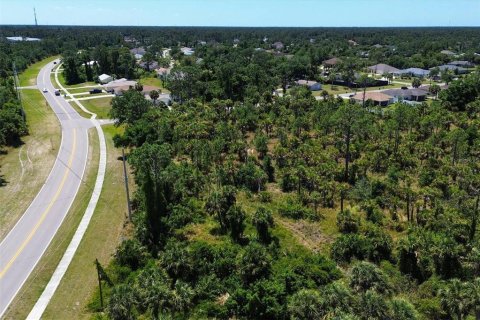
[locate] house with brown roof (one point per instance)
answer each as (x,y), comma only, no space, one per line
(330,63)
(378,98)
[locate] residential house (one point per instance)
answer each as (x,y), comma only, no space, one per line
(138,52)
(187,51)
(415,72)
(331,63)
(152,65)
(105,78)
(452,68)
(278,45)
(311,85)
(119,85)
(406,94)
(377,46)
(382,68)
(91,63)
(14,38)
(448,52)
(462,63)
(352,43)
(161,72)
(378,98)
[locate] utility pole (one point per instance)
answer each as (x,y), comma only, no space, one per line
(126,186)
(15,82)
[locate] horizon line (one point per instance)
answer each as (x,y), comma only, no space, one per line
(220,26)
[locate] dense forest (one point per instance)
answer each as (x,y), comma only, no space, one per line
(258,206)
(220,184)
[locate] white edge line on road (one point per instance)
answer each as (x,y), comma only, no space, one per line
(22,217)
(67,258)
(48,177)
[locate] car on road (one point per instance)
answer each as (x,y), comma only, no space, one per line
(94,91)
(54,62)
(57,92)
(45,90)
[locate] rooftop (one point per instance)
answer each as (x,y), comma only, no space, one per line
(383,68)
(375,96)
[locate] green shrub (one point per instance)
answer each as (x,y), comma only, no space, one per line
(296,211)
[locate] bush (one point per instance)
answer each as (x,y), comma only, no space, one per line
(131,253)
(251,177)
(263,221)
(306,304)
(296,211)
(347,222)
(265,197)
(254,263)
(379,244)
(349,246)
(365,277)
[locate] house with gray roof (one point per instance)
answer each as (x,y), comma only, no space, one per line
(406,94)
(311,85)
(452,68)
(448,52)
(415,72)
(138,52)
(462,63)
(382,68)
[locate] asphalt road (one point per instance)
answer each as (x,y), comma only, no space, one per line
(23,247)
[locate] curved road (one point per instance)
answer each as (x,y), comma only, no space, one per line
(23,247)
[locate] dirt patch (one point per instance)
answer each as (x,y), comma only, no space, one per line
(309,234)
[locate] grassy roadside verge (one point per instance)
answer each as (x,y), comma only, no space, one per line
(26,167)
(100,241)
(100,106)
(33,287)
(79,110)
(29,76)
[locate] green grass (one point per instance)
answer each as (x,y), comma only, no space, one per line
(155,82)
(61,79)
(35,284)
(100,106)
(26,167)
(79,110)
(79,90)
(29,76)
(100,241)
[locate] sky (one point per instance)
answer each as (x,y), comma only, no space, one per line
(290,13)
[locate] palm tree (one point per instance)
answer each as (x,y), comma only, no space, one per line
(476,297)
(154,94)
(434,89)
(121,303)
(263,220)
(456,298)
(416,82)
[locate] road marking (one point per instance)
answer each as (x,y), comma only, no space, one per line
(46,211)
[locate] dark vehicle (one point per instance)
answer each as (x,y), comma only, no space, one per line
(54,62)
(111,91)
(57,92)
(94,91)
(404,88)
